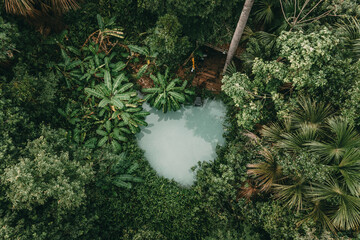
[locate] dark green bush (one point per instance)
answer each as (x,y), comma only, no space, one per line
(168,41)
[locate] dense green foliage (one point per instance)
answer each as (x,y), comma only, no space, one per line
(167,95)
(70,166)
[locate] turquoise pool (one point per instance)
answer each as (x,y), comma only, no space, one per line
(174,142)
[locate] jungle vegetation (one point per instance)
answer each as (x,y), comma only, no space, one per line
(70,106)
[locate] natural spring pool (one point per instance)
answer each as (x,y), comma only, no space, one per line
(175,141)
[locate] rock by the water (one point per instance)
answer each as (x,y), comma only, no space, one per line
(198,102)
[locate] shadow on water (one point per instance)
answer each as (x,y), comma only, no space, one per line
(169,115)
(165,116)
(205,121)
(144,130)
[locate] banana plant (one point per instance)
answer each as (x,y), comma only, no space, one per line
(118,99)
(106,32)
(112,134)
(85,70)
(150,58)
(118,171)
(167,94)
(110,109)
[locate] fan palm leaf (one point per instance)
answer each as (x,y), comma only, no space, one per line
(346,214)
(296,140)
(342,137)
(293,194)
(265,10)
(351,29)
(275,131)
(63,6)
(349,171)
(20,7)
(266,173)
(28,8)
(325,191)
(319,214)
(311,112)
(345,134)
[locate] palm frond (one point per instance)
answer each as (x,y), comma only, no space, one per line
(342,137)
(347,216)
(265,11)
(20,7)
(298,139)
(311,112)
(345,136)
(350,27)
(293,194)
(63,6)
(267,172)
(231,69)
(325,191)
(326,151)
(319,214)
(265,37)
(349,169)
(273,132)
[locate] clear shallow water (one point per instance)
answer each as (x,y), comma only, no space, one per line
(174,142)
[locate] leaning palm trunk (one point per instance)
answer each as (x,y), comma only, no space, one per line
(238,32)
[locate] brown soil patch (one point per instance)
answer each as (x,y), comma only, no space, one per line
(207,73)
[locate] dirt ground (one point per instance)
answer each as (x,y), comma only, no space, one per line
(207,72)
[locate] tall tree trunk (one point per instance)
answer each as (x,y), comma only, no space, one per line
(238,32)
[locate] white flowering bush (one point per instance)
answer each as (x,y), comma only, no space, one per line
(314,64)
(45,177)
(308,57)
(244,94)
(351,108)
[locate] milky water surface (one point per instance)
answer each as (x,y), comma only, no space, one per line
(175,141)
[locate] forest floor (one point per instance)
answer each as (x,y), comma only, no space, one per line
(207,72)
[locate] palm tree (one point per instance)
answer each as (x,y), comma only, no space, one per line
(292,194)
(335,201)
(238,32)
(345,208)
(305,125)
(266,173)
(32,8)
(43,14)
(341,137)
(351,30)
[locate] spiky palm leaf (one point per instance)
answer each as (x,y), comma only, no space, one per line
(349,171)
(275,131)
(231,69)
(266,173)
(347,216)
(311,112)
(347,208)
(34,8)
(351,29)
(319,214)
(20,7)
(265,10)
(296,140)
(341,138)
(293,194)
